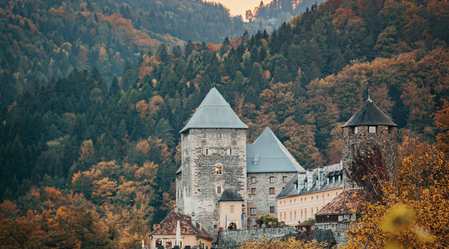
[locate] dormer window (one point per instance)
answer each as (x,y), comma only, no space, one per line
(372,129)
(256,159)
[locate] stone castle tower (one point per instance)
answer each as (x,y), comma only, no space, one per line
(213,159)
(367,128)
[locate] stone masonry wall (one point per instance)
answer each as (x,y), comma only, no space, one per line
(233,238)
(385,137)
(202,151)
(262,200)
(338,231)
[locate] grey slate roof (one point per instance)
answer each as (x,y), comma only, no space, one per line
(268,155)
(369,114)
(331,170)
(230,194)
(214,113)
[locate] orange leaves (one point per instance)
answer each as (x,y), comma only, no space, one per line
(418,99)
(213,47)
(128,33)
(103,189)
(146,67)
(442,121)
(8,210)
(151,108)
(342,16)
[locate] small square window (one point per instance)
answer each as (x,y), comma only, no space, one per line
(232,209)
(253,191)
(215,226)
(284,179)
(272,209)
(372,129)
(219,169)
(253,211)
(272,191)
(218,189)
(253,179)
(271,179)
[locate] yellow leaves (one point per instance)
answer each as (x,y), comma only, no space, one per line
(398,219)
(104,189)
(146,67)
(415,209)
(423,235)
(87,150)
(143,147)
(278,244)
(151,108)
(393,244)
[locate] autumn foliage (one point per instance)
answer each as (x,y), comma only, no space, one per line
(420,195)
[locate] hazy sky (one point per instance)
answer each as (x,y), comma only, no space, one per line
(238,7)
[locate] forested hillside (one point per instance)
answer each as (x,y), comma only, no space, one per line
(41,40)
(74,140)
(279,10)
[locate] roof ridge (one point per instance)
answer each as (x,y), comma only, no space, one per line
(214,112)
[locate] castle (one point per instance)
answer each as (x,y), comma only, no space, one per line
(223,182)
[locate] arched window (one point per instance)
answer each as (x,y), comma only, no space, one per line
(218,169)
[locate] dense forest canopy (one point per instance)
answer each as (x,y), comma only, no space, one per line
(42,40)
(107,153)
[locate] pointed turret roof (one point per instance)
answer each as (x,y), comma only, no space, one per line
(369,114)
(213,113)
(268,155)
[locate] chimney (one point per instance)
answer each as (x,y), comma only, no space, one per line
(301,183)
(320,177)
(193,220)
(309,179)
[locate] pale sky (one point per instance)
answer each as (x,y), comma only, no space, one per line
(238,7)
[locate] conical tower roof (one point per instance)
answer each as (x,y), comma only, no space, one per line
(268,155)
(369,114)
(214,113)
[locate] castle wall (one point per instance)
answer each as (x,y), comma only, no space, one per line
(233,238)
(262,200)
(202,151)
(385,137)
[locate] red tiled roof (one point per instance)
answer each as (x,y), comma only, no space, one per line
(347,202)
(168,226)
